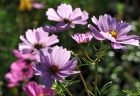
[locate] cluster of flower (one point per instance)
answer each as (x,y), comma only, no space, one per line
(37,55)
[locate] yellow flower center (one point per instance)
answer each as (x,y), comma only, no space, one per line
(113,33)
(44,95)
(41,94)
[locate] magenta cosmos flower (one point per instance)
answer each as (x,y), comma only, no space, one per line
(82,38)
(33,89)
(108,28)
(36,39)
(65,14)
(54,64)
(21,69)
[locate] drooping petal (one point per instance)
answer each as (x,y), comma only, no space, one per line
(118,46)
(131,42)
(96,34)
(70,64)
(47,80)
(59,77)
(60,27)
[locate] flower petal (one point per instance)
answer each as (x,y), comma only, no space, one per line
(53,16)
(64,11)
(96,34)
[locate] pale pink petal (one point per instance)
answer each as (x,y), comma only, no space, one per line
(30,36)
(64,10)
(118,46)
(52,15)
(60,56)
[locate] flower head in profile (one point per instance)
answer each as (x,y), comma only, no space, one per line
(33,89)
(36,39)
(65,14)
(25,57)
(107,27)
(54,64)
(29,4)
(82,38)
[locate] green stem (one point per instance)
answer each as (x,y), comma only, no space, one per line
(84,83)
(0,88)
(96,68)
(86,53)
(81,76)
(96,79)
(68,92)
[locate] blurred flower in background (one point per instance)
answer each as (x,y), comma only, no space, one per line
(29,4)
(21,70)
(33,89)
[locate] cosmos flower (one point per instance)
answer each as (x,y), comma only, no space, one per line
(21,69)
(29,4)
(82,38)
(33,89)
(36,39)
(65,14)
(108,28)
(54,64)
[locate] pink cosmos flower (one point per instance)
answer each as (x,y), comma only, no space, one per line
(82,38)
(108,28)
(36,39)
(33,89)
(54,64)
(65,14)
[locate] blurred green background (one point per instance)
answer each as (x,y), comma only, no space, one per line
(120,67)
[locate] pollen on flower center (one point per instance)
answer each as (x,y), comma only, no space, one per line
(53,69)
(42,95)
(38,46)
(67,21)
(113,33)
